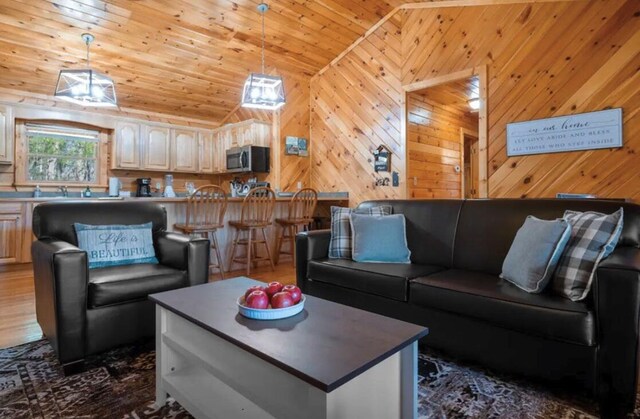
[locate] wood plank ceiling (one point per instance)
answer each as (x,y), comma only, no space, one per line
(180,57)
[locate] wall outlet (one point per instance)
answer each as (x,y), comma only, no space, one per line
(395,179)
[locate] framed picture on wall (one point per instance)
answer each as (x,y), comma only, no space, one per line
(296,146)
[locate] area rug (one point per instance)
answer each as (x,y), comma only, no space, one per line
(120,384)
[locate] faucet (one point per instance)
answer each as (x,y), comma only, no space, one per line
(64,191)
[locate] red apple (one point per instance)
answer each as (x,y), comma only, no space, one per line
(273,288)
(281,300)
(295,292)
(257,299)
(253,288)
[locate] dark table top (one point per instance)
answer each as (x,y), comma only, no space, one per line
(326,345)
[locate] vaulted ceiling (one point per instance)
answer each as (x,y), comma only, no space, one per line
(180,57)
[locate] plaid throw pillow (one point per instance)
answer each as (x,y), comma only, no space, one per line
(340,244)
(593,237)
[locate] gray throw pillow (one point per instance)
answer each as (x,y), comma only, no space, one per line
(535,253)
(593,237)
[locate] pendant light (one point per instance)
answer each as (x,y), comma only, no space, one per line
(262,91)
(86,87)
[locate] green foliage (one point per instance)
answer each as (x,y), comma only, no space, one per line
(62,159)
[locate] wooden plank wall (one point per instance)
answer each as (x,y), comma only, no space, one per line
(293,120)
(434,150)
(544,60)
(355,107)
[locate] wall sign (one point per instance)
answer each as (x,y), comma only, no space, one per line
(382,159)
(586,131)
(296,146)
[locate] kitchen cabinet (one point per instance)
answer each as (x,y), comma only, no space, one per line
(206,152)
(125,150)
(184,150)
(156,142)
(6,135)
(11,227)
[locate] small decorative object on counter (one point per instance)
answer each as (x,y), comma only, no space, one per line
(168,187)
(87,192)
(37,192)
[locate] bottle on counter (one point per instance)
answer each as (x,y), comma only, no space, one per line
(37,192)
(87,192)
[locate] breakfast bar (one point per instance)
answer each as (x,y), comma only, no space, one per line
(19,209)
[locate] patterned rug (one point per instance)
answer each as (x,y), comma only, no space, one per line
(120,384)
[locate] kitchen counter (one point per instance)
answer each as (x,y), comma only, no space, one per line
(5,197)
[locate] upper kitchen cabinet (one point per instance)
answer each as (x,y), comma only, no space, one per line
(6,135)
(126,146)
(184,150)
(206,152)
(156,141)
(250,132)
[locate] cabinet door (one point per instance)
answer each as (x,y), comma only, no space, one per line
(157,145)
(126,146)
(261,134)
(10,233)
(6,135)
(219,153)
(206,146)
(184,150)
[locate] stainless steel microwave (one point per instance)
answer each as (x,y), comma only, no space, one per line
(248,159)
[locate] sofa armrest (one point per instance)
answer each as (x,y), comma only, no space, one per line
(616,296)
(186,254)
(60,273)
(310,245)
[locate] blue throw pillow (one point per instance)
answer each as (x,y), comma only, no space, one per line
(535,253)
(379,239)
(113,245)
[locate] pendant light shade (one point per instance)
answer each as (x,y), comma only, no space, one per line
(263,91)
(86,87)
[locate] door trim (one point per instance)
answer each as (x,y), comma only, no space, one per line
(481,72)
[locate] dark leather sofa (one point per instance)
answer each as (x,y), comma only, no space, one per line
(83,311)
(452,287)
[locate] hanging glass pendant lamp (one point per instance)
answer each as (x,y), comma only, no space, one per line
(86,87)
(262,91)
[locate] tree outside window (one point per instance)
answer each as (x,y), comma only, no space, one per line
(61,154)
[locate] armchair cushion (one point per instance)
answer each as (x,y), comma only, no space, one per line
(122,284)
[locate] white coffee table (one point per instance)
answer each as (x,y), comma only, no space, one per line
(330,361)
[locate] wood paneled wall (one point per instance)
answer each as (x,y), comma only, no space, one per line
(543,59)
(291,120)
(434,149)
(355,107)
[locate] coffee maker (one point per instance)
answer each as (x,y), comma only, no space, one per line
(144,187)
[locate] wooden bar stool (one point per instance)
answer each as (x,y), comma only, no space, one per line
(257,214)
(205,215)
(300,213)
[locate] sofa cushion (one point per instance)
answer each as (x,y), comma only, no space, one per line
(121,284)
(489,298)
(385,279)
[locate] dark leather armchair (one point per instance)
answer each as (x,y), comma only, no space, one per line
(82,311)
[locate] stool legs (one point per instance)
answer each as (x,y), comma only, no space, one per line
(290,237)
(251,242)
(214,244)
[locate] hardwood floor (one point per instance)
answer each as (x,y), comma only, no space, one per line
(17,300)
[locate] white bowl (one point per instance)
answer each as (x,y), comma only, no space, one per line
(270,313)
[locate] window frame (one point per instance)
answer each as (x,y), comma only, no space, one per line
(22,155)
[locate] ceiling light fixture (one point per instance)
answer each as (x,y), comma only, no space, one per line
(86,87)
(262,91)
(474,104)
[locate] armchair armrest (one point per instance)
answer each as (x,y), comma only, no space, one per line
(185,253)
(310,245)
(616,295)
(61,275)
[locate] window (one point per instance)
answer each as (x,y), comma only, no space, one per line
(61,154)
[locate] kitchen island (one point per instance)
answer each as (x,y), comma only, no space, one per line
(16,221)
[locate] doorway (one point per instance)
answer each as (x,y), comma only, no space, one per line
(445,137)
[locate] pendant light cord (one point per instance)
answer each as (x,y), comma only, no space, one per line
(88,60)
(263,42)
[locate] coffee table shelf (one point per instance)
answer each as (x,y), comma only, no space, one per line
(218,364)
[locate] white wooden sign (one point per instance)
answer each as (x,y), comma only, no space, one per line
(586,131)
